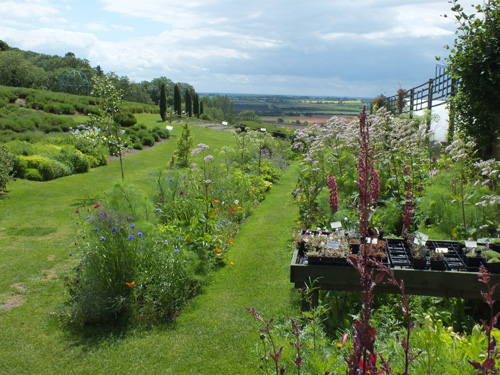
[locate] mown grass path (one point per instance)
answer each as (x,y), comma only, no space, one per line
(213,335)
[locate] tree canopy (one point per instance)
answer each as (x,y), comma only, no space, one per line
(474,62)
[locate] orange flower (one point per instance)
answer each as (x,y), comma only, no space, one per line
(240,208)
(216,201)
(218,251)
(231,235)
(130,285)
(230,242)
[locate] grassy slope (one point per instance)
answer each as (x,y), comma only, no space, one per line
(213,335)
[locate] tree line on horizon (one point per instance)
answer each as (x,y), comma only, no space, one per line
(19,68)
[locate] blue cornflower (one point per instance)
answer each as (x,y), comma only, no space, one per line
(102,239)
(130,236)
(220,190)
(96,229)
(70,253)
(139,234)
(88,217)
(113,229)
(223,221)
(132,226)
(177,250)
(169,179)
(158,210)
(178,237)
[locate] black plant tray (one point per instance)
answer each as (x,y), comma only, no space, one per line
(398,253)
(453,259)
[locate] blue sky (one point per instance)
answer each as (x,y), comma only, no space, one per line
(356,48)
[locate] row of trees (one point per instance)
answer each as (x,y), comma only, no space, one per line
(20,68)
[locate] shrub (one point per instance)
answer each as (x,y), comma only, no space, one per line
(137,145)
(78,162)
(52,169)
(148,141)
(34,161)
(33,175)
(6,166)
(20,167)
(93,162)
(125,119)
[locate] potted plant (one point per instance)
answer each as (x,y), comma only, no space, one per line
(493,260)
(437,261)
(376,250)
(474,257)
(419,253)
(301,240)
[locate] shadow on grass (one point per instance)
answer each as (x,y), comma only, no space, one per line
(88,338)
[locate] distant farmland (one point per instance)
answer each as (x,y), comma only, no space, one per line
(302,107)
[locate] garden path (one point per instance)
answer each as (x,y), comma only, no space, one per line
(215,334)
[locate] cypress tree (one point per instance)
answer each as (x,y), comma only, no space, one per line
(196,105)
(163,102)
(177,100)
(189,104)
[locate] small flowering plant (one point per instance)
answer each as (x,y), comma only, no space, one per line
(436,255)
(419,251)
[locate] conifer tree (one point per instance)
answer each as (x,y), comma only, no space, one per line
(177,100)
(163,102)
(196,105)
(189,104)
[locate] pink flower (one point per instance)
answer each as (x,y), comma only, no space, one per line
(97,205)
(334,195)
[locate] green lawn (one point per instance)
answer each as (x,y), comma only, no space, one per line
(214,335)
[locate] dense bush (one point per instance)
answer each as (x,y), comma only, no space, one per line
(125,119)
(33,175)
(6,166)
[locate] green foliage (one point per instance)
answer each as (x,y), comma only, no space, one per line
(111,100)
(33,175)
(474,62)
(177,100)
(6,166)
(163,102)
(184,145)
(125,119)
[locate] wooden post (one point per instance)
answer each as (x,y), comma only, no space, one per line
(429,104)
(412,103)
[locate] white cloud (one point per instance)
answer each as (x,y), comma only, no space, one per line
(255,46)
(27,9)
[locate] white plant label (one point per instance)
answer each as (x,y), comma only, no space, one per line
(442,250)
(470,243)
(336,225)
(333,244)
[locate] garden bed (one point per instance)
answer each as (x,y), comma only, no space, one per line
(456,280)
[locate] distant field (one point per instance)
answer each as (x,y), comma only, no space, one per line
(299,107)
(290,121)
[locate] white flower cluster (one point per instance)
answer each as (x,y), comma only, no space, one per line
(200,148)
